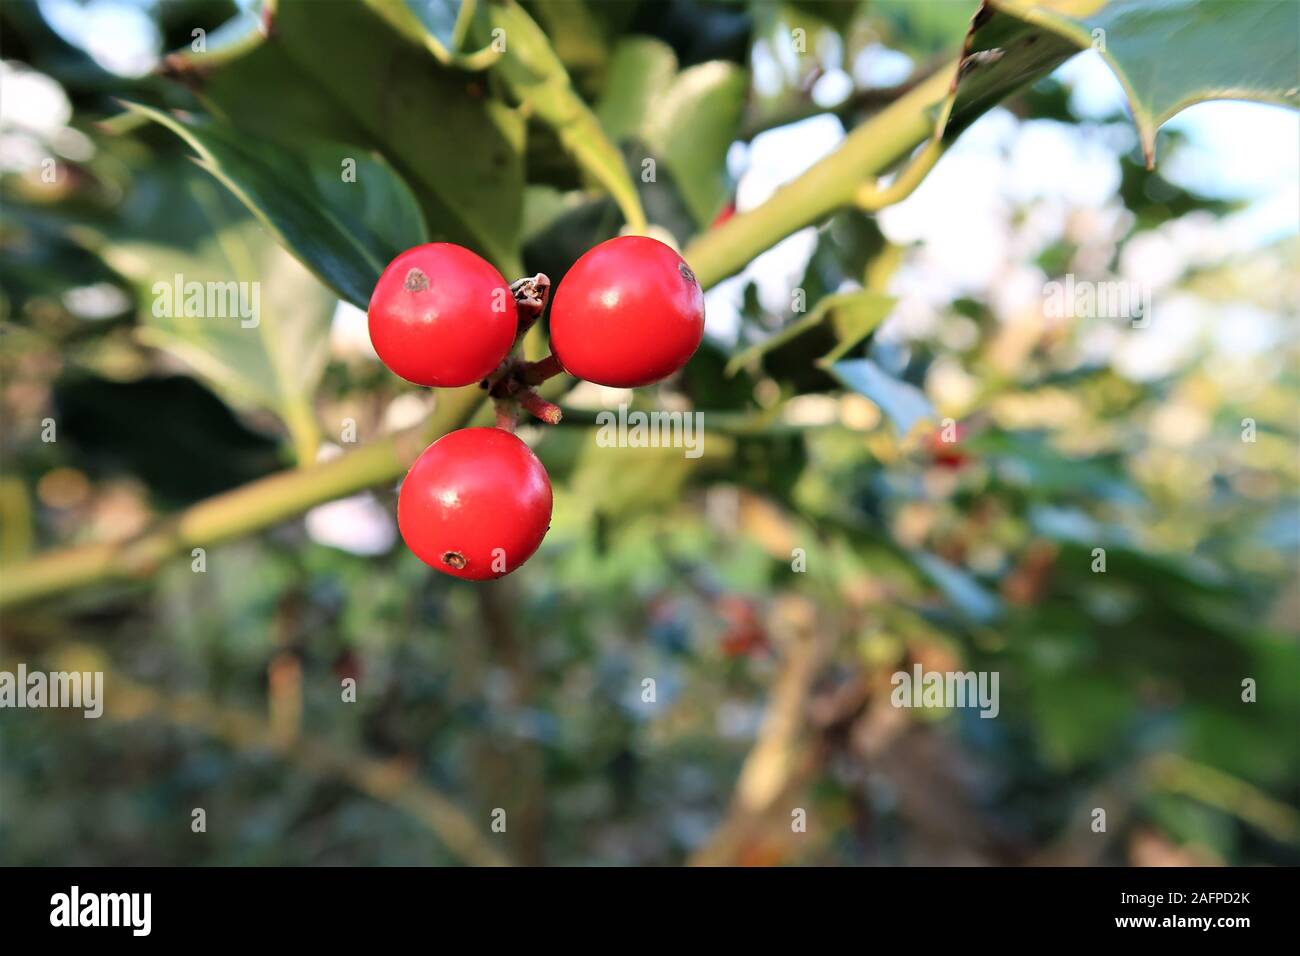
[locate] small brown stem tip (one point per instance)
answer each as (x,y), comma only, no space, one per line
(539,407)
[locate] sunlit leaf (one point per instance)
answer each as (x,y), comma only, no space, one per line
(440,26)
(537,76)
(690,128)
(260,334)
(640,69)
(687,120)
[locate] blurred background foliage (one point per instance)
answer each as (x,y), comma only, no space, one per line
(1120,690)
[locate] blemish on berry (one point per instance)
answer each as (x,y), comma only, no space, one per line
(416,281)
(454,559)
(686,272)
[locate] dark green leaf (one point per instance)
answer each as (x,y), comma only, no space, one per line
(339,72)
(853,316)
(342,213)
(1168,54)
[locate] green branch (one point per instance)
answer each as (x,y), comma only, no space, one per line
(837,181)
(257,505)
(834,183)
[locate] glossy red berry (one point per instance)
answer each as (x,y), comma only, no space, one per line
(476,504)
(442,316)
(628,313)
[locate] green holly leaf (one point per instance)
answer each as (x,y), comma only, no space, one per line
(537,77)
(687,120)
(223,297)
(441,27)
(344,214)
(1167,54)
(852,316)
(340,72)
(855,318)
(640,69)
(690,128)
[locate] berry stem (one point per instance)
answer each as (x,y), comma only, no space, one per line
(507,414)
(535,405)
(537,372)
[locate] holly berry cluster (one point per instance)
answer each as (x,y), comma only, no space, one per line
(477,502)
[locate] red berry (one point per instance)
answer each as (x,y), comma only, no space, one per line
(744,633)
(948,454)
(476,504)
(442,316)
(628,313)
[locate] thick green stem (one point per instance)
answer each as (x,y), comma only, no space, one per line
(833,183)
(257,505)
(871,196)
